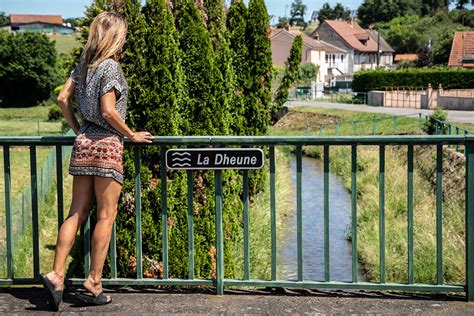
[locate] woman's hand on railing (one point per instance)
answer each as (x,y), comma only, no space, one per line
(141,137)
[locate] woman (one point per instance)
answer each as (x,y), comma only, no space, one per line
(96,161)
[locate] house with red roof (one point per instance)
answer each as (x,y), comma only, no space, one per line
(462,50)
(39,23)
(314,51)
(366,48)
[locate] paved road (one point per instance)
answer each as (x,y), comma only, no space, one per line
(453,116)
(203,301)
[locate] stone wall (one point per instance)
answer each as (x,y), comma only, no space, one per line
(429,98)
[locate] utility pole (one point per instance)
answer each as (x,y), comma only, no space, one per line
(378,47)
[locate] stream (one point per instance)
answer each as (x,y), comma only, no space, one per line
(340,254)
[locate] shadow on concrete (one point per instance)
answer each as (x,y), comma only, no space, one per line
(37,299)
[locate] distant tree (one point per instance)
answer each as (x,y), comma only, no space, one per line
(298,10)
(27,64)
(463,17)
(373,11)
(307,73)
(402,34)
(282,23)
(461,3)
(4,19)
(339,12)
(326,12)
(433,6)
(73,21)
(291,72)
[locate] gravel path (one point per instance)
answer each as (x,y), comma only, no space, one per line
(453,116)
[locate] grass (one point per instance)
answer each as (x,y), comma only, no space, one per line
(65,43)
(315,121)
(24,122)
(31,121)
(297,123)
(260,221)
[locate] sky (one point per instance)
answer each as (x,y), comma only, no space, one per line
(75,8)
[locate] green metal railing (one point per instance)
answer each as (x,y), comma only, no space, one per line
(355,124)
(220,282)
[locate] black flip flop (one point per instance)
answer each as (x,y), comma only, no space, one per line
(100,299)
(54,297)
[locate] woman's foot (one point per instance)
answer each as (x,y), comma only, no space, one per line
(95,288)
(54,290)
(57,280)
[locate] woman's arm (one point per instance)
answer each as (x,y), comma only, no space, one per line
(63,101)
(110,114)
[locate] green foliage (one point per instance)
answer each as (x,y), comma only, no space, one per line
(54,114)
(298,10)
(412,78)
(229,101)
(4,19)
(428,125)
(27,68)
(412,34)
(307,73)
(282,22)
(74,21)
(372,11)
(236,26)
(291,72)
(203,79)
(339,12)
(179,67)
(258,84)
(155,74)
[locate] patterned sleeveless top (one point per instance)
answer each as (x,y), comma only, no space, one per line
(99,81)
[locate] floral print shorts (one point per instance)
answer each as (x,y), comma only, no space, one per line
(97,154)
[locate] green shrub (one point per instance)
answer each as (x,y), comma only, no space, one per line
(54,113)
(27,68)
(428,125)
(369,80)
(307,73)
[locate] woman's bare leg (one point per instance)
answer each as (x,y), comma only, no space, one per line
(82,199)
(107,192)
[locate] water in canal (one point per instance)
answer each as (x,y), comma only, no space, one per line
(313,227)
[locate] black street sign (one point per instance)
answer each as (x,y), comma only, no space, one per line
(214,158)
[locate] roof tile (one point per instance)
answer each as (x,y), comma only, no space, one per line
(32,18)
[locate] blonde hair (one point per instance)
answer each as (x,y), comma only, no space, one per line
(107,35)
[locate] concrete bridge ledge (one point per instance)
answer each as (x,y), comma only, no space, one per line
(137,301)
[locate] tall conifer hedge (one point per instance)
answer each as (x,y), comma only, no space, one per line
(179,65)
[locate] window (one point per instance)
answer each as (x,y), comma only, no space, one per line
(333,58)
(342,58)
(327,58)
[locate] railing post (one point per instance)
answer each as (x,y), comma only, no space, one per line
(34,211)
(8,210)
(219,234)
(138,213)
(470,219)
(164,212)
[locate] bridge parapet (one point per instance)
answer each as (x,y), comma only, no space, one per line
(297,142)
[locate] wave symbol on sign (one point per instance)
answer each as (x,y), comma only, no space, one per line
(181,162)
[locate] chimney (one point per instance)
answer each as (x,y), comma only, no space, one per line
(352,22)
